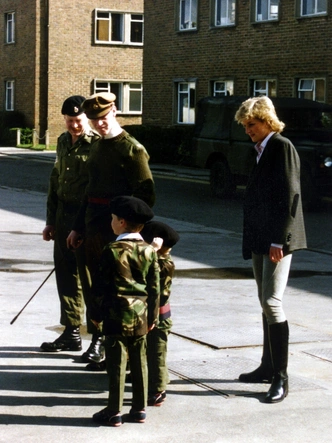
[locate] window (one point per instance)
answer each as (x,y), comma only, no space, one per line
(188,14)
(312,7)
(222,88)
(118,28)
(224,12)
(9,91)
(10,27)
(312,89)
(266,10)
(128,94)
(186,102)
(264,87)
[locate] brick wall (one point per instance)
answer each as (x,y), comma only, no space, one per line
(285,50)
(55,57)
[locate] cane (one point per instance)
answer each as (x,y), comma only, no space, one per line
(49,275)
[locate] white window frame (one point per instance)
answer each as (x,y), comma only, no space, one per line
(315,7)
(224,13)
(10,27)
(9,95)
(187,15)
(270,85)
(186,94)
(127,21)
(307,88)
(124,91)
(222,88)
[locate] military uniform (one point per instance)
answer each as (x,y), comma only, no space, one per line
(67,185)
(126,294)
(157,339)
(68,181)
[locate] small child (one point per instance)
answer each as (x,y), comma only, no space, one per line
(162,237)
(126,300)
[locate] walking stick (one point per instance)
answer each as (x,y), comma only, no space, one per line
(49,275)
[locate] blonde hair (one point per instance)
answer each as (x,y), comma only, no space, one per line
(262,109)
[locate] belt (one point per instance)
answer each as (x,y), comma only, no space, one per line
(99,201)
(164,312)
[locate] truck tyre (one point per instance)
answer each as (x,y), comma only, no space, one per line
(221,180)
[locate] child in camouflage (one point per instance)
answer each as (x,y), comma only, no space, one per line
(157,338)
(126,300)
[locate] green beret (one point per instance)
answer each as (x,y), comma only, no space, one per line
(72,106)
(98,105)
(155,228)
(131,209)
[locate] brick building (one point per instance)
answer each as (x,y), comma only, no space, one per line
(53,49)
(196,48)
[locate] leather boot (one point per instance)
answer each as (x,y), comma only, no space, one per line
(264,372)
(279,336)
(69,340)
(95,352)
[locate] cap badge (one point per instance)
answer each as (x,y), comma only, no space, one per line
(75,109)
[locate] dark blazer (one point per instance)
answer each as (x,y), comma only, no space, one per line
(272,204)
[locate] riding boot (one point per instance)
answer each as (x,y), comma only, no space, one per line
(279,336)
(95,352)
(264,372)
(69,340)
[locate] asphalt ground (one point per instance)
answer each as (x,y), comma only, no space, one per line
(216,335)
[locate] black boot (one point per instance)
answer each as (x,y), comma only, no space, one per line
(69,340)
(264,372)
(279,336)
(95,352)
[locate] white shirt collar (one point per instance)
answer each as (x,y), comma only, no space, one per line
(130,236)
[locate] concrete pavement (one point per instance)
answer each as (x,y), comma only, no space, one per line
(216,335)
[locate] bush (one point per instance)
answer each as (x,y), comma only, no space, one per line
(168,145)
(9,120)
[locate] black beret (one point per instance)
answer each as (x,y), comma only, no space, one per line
(98,105)
(131,209)
(72,106)
(155,228)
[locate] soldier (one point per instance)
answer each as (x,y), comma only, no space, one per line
(162,237)
(68,180)
(126,295)
(117,166)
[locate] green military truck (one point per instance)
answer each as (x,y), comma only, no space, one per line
(221,145)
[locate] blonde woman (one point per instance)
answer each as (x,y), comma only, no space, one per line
(273,228)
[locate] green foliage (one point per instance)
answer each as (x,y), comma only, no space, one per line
(168,145)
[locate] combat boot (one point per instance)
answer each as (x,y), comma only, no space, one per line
(264,372)
(95,352)
(279,337)
(69,340)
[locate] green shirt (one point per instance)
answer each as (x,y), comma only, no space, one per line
(69,175)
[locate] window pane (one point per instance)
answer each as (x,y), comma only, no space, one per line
(186,103)
(320,90)
(117,90)
(321,6)
(117,20)
(188,14)
(103,30)
(10,27)
(136,28)
(9,106)
(225,12)
(267,9)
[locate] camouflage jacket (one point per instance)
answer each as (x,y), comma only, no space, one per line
(167,268)
(126,290)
